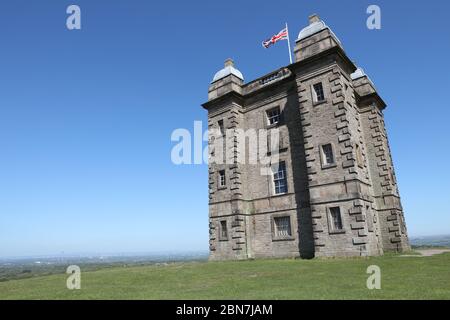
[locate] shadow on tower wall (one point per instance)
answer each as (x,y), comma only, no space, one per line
(292,119)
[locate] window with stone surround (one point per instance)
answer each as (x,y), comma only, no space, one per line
(402,223)
(336,219)
(223,230)
(273,116)
(327,154)
(359,157)
(282,227)
(370,219)
(318,92)
(222,179)
(221,127)
(279,178)
(391,175)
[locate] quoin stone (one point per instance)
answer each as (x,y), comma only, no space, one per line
(333,190)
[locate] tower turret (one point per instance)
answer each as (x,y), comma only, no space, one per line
(314,38)
(226,80)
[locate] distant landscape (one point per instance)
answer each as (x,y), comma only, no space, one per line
(408,276)
(430,241)
(28,267)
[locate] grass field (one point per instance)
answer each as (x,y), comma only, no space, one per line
(401,278)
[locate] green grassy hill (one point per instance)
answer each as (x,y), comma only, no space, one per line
(402,278)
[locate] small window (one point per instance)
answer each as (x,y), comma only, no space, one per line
(369,218)
(222,180)
(279,178)
(359,157)
(402,224)
(391,174)
(282,227)
(327,154)
(318,92)
(336,219)
(221,127)
(223,230)
(273,116)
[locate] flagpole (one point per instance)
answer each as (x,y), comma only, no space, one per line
(289,44)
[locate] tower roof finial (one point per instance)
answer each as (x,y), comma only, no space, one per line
(227,70)
(229,62)
(314,18)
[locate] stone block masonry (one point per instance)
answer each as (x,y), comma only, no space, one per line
(338,194)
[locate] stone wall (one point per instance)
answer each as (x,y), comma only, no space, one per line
(361,181)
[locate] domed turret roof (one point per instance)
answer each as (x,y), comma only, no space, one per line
(315,25)
(227,70)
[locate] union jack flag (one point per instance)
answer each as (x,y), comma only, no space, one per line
(282,35)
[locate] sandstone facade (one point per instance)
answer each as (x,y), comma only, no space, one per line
(339,196)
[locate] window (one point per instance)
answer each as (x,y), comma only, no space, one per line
(223,230)
(318,92)
(282,226)
(222,181)
(369,219)
(359,157)
(402,223)
(391,175)
(327,154)
(279,178)
(336,219)
(273,116)
(221,127)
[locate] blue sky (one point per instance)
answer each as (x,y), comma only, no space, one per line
(86,116)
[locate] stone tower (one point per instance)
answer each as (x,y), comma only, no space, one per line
(331,190)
